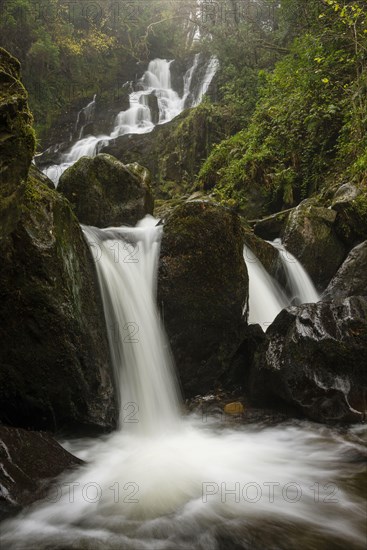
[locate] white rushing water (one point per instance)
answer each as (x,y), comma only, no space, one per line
(302,289)
(126,264)
(138,119)
(163,482)
(266,296)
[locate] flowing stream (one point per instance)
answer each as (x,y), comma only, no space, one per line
(167,481)
(155,85)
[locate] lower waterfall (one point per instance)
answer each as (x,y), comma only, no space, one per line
(170,482)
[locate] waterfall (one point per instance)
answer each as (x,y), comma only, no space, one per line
(210,72)
(302,289)
(137,119)
(164,483)
(88,114)
(187,82)
(127,260)
(266,296)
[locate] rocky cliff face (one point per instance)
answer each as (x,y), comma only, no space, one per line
(17,142)
(54,363)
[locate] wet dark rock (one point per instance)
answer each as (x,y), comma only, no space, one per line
(239,373)
(202,289)
(104,192)
(351,278)
(272,227)
(154,107)
(55,367)
(315,360)
(310,236)
(29,463)
(263,252)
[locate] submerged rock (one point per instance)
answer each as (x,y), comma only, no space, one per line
(310,236)
(202,289)
(351,278)
(54,360)
(29,463)
(314,360)
(104,192)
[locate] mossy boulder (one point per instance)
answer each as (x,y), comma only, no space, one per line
(30,461)
(314,361)
(350,205)
(17,141)
(351,278)
(202,290)
(104,192)
(55,367)
(311,237)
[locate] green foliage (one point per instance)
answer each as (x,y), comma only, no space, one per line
(310,119)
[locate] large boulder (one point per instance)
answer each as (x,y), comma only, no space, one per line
(54,361)
(17,141)
(202,289)
(104,192)
(314,361)
(30,461)
(310,236)
(351,278)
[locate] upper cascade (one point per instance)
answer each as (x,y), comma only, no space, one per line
(152,102)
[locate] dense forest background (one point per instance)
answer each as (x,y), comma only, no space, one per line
(292,85)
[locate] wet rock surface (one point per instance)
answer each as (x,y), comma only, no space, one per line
(29,463)
(314,360)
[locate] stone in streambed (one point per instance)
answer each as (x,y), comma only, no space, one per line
(314,360)
(202,290)
(104,192)
(29,463)
(311,237)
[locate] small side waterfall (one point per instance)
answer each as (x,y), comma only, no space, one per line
(155,91)
(126,262)
(266,296)
(85,116)
(301,288)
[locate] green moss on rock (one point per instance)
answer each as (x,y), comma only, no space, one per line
(17,141)
(202,289)
(55,367)
(105,192)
